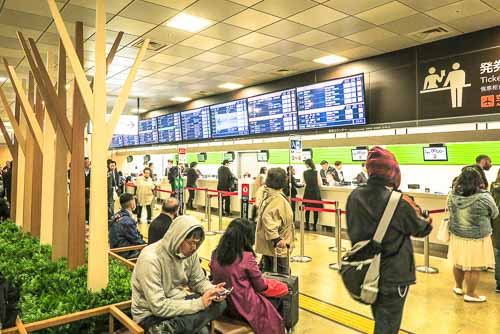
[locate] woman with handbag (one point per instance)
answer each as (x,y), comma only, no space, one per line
(234,263)
(145,194)
(471,250)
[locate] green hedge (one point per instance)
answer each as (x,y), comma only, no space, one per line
(49,289)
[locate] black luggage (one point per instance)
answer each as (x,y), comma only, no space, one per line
(290,302)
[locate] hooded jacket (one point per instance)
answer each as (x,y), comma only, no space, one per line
(162,274)
(470,216)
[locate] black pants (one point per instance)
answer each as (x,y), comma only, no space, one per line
(111,208)
(316,217)
(191,199)
(388,309)
(226,200)
(185,324)
(266,265)
(149,212)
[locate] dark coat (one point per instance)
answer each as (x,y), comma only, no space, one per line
(323,173)
(495,223)
(225,178)
(159,226)
(123,232)
(338,176)
(312,190)
(192,177)
(365,207)
(295,185)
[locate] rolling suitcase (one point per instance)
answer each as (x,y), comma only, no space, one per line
(290,301)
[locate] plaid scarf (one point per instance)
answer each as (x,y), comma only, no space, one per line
(383,166)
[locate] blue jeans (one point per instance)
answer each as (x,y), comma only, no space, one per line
(497,266)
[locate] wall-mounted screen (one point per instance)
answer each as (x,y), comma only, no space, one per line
(334,103)
(148,133)
(130,140)
(229,156)
(127,125)
(196,124)
(359,154)
(202,157)
(169,128)
(263,156)
(437,153)
(273,112)
(116,141)
(307,154)
(229,119)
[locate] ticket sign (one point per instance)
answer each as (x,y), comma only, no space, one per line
(296,150)
(245,196)
(182,155)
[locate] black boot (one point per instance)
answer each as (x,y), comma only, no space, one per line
(314,227)
(306,227)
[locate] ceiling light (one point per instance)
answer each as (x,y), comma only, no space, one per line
(180,99)
(230,85)
(188,22)
(330,60)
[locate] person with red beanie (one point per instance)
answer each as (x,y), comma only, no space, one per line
(365,206)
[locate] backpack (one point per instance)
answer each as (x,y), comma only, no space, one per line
(9,297)
(360,267)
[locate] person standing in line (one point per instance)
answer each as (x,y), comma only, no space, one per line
(275,229)
(260,179)
(495,225)
(337,173)
(145,195)
(312,192)
(362,177)
(365,206)
(161,224)
(173,173)
(87,187)
(192,175)
(470,249)
(7,180)
(324,171)
(170,163)
(292,193)
(225,183)
(483,163)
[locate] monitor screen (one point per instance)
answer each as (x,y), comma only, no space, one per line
(202,157)
(229,156)
(129,140)
(359,154)
(229,119)
(263,156)
(439,153)
(196,124)
(127,125)
(116,141)
(273,112)
(169,128)
(148,133)
(306,154)
(334,103)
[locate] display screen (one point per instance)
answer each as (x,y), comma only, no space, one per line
(306,154)
(202,157)
(263,156)
(229,156)
(196,124)
(148,133)
(229,119)
(334,103)
(169,128)
(359,154)
(116,141)
(127,125)
(273,112)
(130,140)
(439,153)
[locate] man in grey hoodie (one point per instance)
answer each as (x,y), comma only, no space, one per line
(161,303)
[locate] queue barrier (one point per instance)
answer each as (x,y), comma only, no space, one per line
(427,268)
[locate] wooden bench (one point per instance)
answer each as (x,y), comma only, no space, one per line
(225,325)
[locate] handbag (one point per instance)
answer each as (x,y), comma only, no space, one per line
(275,288)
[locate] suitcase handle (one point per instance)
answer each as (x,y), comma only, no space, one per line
(275,259)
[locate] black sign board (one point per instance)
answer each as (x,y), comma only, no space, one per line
(245,196)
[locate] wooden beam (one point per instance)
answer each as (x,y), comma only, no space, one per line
(125,92)
(80,77)
(15,125)
(112,51)
(18,166)
(37,191)
(33,125)
(20,326)
(125,320)
(7,138)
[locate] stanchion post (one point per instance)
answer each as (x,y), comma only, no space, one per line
(426,268)
(208,209)
(220,230)
(338,239)
(207,200)
(302,257)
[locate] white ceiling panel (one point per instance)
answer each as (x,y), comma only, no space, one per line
(477,22)
(148,12)
(391,11)
(256,40)
(217,68)
(224,31)
(202,42)
(212,57)
(284,29)
(133,27)
(217,10)
(352,7)
(284,8)
(371,35)
(284,47)
(165,59)
(259,55)
(425,5)
(312,37)
(24,20)
(317,16)
(347,26)
(175,4)
(411,24)
(167,35)
(182,51)
(337,45)
(458,10)
(309,54)
(232,49)
(251,19)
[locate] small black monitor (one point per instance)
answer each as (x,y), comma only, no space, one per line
(435,153)
(229,156)
(263,156)
(359,154)
(202,157)
(307,154)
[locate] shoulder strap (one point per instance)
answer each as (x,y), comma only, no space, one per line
(387,216)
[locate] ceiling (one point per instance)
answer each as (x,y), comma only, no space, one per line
(247,42)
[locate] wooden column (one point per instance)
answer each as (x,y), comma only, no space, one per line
(37,191)
(29,155)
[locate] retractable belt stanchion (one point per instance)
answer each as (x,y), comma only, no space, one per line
(302,257)
(426,268)
(338,239)
(220,230)
(337,230)
(207,205)
(208,209)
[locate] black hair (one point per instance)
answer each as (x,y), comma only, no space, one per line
(238,238)
(309,163)
(482,157)
(125,199)
(338,163)
(289,169)
(193,164)
(196,233)
(363,164)
(468,182)
(4,209)
(324,162)
(147,168)
(171,161)
(171,205)
(276,178)
(225,162)
(263,170)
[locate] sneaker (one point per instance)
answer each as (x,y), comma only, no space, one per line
(480,299)
(458,291)
(498,288)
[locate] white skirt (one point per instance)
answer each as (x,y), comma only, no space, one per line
(471,254)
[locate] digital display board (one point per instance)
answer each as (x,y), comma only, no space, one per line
(116,141)
(196,124)
(438,153)
(130,140)
(334,103)
(273,112)
(169,128)
(148,133)
(359,154)
(127,124)
(229,119)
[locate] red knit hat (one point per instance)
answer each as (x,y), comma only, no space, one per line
(382,165)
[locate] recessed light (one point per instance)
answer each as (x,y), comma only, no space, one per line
(180,99)
(330,60)
(188,22)
(230,85)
